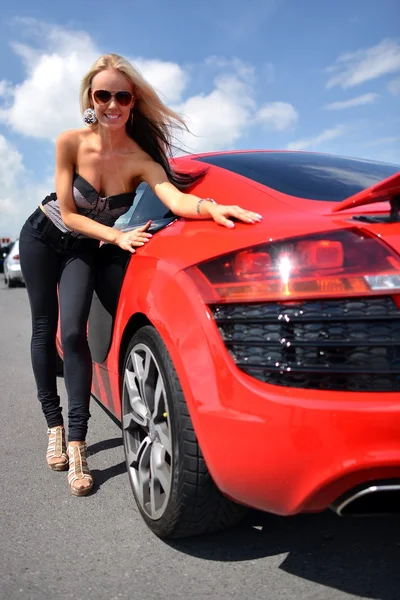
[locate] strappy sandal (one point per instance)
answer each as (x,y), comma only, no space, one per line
(56,448)
(78,470)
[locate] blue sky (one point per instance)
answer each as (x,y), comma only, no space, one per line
(246,74)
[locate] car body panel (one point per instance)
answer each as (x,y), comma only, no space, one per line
(222,412)
(279,449)
(12,267)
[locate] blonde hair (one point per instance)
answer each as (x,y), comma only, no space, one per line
(152,121)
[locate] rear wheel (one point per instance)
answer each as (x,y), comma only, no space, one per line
(11,283)
(170,480)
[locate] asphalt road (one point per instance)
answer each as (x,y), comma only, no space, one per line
(55,546)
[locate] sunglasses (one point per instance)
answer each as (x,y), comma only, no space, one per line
(104,97)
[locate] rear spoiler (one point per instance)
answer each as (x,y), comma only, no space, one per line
(387,190)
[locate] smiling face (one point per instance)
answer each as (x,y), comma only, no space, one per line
(112,113)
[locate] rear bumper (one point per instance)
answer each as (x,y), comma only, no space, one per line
(14,273)
(286,457)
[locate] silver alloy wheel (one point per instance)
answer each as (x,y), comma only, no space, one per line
(146,431)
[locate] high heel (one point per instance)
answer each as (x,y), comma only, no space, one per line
(56,448)
(79,470)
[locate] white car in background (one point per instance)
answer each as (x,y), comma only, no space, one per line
(12,268)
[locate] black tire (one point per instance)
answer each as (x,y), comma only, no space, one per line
(11,283)
(195,505)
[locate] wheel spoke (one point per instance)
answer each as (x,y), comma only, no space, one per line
(128,422)
(142,362)
(146,431)
(136,452)
(142,472)
(154,497)
(160,480)
(138,365)
(139,411)
(160,470)
(163,433)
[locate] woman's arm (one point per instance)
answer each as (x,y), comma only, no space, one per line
(66,151)
(188,205)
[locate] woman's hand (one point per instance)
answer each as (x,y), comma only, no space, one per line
(220,214)
(135,238)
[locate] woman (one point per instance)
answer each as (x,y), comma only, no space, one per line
(97,172)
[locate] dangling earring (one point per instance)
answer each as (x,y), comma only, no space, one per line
(131,117)
(89,116)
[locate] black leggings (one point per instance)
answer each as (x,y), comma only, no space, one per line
(46,268)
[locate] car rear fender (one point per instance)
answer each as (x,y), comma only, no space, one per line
(171,303)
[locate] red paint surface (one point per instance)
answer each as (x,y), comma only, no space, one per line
(279,449)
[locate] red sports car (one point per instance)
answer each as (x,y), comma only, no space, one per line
(260,366)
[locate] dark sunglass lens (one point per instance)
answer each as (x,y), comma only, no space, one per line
(102,96)
(123,98)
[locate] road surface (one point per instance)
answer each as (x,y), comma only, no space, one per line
(54,546)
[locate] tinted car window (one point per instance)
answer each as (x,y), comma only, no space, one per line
(148,207)
(124,220)
(306,175)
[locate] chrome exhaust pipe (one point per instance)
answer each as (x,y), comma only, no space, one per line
(371,499)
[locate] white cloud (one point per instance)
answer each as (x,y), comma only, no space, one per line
(278,116)
(46,102)
(318,140)
(359,101)
(354,68)
(244,70)
(218,119)
(10,164)
(394,86)
(19,195)
(5,87)
(167,78)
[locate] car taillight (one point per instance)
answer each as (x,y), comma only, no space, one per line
(341,263)
(16,257)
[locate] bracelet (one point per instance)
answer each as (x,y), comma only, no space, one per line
(204,200)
